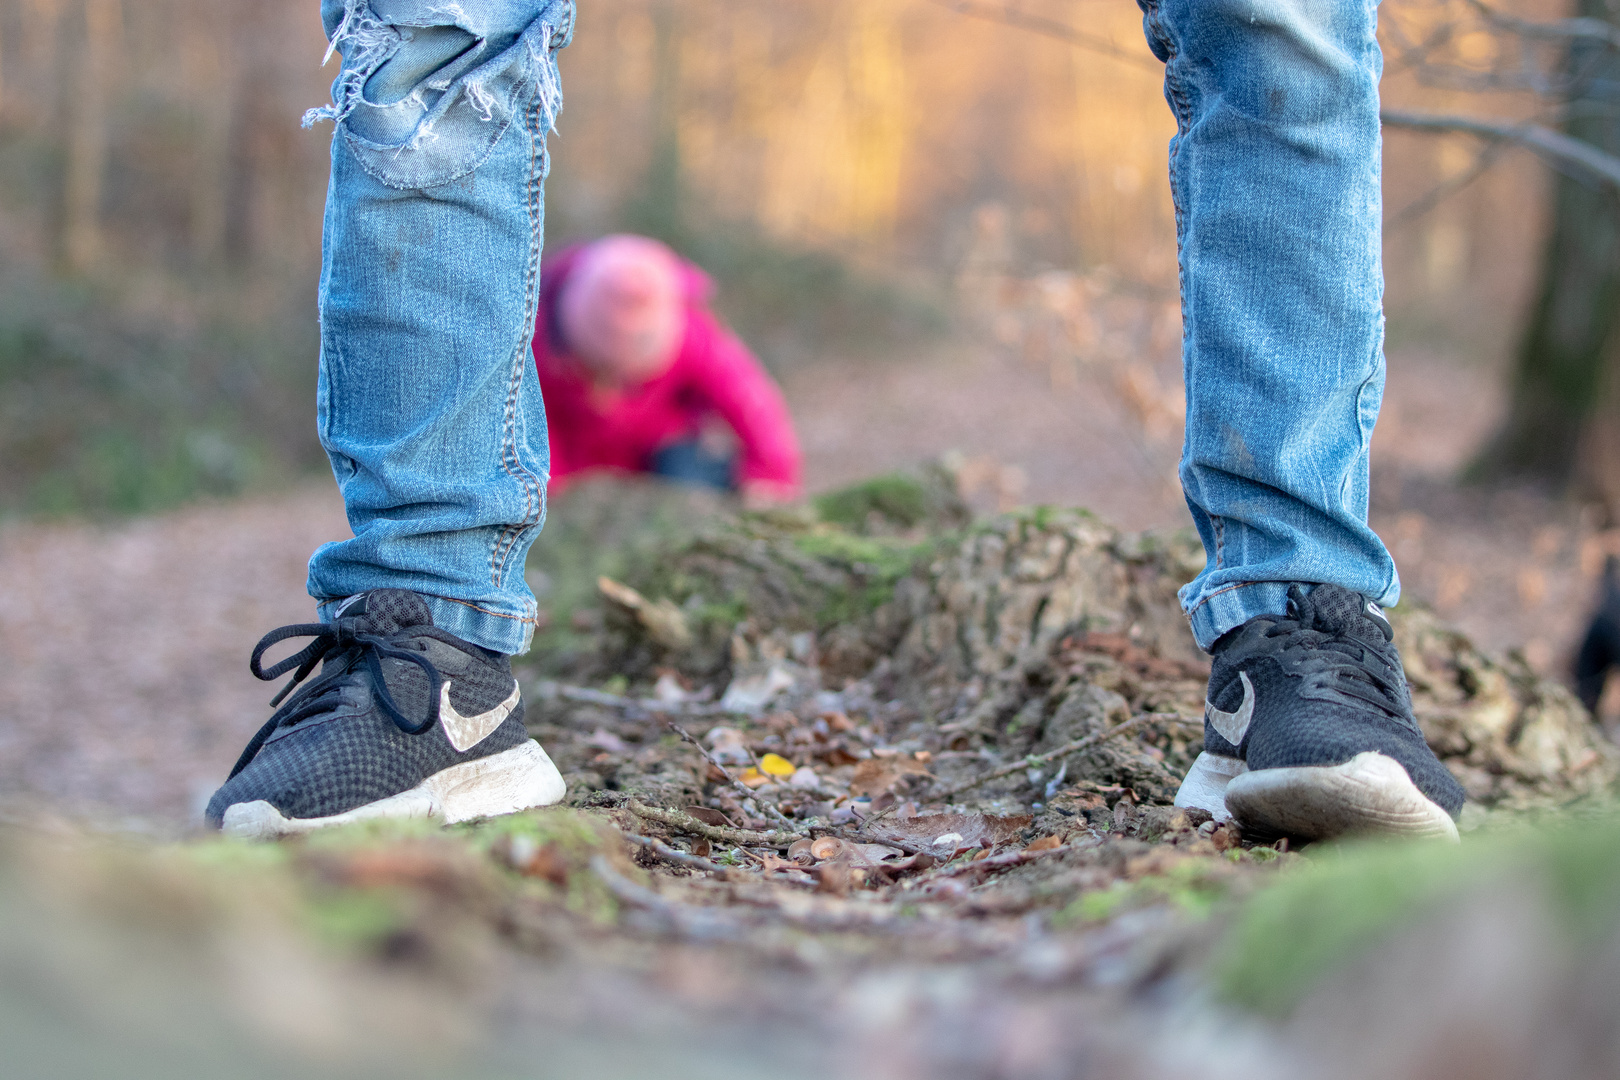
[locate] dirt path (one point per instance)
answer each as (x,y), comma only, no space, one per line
(124,692)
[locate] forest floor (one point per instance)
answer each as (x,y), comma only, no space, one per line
(794,850)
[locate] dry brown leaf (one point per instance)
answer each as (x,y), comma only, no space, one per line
(878,775)
(710,816)
(972,830)
(1045,843)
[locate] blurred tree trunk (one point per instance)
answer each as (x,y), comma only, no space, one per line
(205,43)
(1568,343)
(86,162)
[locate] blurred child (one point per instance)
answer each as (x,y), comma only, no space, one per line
(635,368)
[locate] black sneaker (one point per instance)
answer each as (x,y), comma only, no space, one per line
(1308,728)
(404,720)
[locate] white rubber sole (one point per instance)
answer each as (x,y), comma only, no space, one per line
(516,779)
(1204,786)
(1370,793)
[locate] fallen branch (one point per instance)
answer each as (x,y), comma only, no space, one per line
(670,855)
(1063,751)
(677,819)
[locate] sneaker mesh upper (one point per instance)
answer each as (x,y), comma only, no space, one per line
(342,750)
(1327,685)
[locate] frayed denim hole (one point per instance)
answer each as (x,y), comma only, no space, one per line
(459,131)
(429,58)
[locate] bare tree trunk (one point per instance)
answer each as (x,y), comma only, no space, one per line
(210,74)
(1570,335)
(87,135)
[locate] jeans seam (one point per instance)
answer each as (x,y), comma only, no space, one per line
(506,542)
(487,611)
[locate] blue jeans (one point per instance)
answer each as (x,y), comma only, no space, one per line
(691,463)
(1275,175)
(428,403)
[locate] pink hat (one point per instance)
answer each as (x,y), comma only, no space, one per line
(621,308)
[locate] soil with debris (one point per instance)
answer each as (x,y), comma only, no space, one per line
(873,788)
(869,787)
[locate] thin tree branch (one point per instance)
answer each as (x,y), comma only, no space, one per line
(1563,152)
(1557,30)
(1063,751)
(1447,187)
(1009,14)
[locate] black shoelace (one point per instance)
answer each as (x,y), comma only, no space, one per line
(1337,662)
(343,635)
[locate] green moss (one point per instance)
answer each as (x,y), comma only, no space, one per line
(1192,886)
(902,500)
(352,918)
(1317,919)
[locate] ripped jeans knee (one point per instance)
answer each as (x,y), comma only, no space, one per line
(428,87)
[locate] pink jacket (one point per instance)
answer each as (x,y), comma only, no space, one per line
(713,372)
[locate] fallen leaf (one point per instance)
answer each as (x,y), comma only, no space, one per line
(974,829)
(838,721)
(876,776)
(776,765)
(832,878)
(728,745)
(751,693)
(603,739)
(664,622)
(770,863)
(1045,843)
(753,778)
(669,690)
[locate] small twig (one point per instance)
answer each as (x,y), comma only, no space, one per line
(663,709)
(1062,751)
(652,705)
(748,792)
(669,854)
(676,819)
(1012,858)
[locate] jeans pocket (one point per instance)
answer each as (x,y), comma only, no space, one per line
(428,89)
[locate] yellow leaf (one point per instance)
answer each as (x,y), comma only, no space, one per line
(776,765)
(753,777)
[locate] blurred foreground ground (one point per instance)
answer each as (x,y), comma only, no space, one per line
(126,692)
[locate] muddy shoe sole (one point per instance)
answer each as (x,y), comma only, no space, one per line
(1370,793)
(517,779)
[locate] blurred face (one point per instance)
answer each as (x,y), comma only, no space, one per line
(621,309)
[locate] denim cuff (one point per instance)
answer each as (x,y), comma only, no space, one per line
(1232,607)
(509,634)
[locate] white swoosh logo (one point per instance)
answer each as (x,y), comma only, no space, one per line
(466,732)
(1232,726)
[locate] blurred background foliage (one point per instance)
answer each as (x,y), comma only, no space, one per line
(861,177)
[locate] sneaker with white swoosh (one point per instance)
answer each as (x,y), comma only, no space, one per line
(404,720)
(1309,732)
